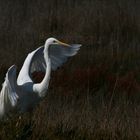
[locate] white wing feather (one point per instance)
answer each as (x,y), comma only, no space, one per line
(35,60)
(59,54)
(8,95)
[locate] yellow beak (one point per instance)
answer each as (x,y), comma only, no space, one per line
(64,44)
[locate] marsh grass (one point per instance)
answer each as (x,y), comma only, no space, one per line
(96,95)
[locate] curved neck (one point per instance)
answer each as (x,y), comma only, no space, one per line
(41,88)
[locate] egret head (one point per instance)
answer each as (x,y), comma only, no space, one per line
(54,41)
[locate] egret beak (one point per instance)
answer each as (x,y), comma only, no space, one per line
(64,44)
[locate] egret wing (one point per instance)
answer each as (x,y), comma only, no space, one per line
(8,95)
(38,62)
(33,62)
(59,54)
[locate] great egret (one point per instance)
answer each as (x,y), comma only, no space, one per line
(23,94)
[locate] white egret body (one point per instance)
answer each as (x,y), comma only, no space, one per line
(22,94)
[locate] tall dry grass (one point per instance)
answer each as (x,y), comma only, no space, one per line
(96,94)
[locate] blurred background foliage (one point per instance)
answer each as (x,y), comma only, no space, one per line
(96,94)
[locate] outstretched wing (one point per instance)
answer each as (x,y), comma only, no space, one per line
(8,95)
(59,54)
(35,61)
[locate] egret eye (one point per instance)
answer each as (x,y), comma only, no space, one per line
(54,41)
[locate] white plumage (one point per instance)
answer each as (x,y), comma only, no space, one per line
(22,94)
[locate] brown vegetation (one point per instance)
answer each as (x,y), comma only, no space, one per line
(96,95)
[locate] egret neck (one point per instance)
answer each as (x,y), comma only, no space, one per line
(41,88)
